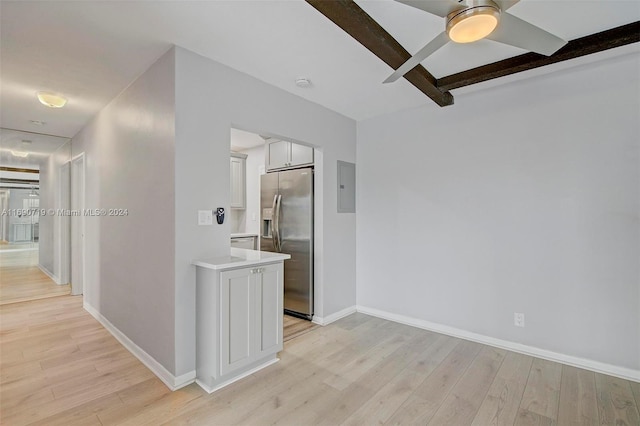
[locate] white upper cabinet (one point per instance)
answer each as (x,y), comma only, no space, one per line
(238,181)
(300,155)
(278,154)
(285,154)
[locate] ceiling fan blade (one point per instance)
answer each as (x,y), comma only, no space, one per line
(516,32)
(505,4)
(436,7)
(435,44)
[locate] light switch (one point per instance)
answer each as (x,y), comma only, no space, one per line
(205,217)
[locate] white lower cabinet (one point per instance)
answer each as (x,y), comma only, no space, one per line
(239,322)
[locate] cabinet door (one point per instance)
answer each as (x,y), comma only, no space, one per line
(269,295)
(300,155)
(237,183)
(237,319)
(278,154)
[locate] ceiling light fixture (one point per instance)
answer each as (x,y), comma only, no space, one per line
(473,23)
(51,100)
(20,153)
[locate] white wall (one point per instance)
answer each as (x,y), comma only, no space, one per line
(521,198)
(129,158)
(210,99)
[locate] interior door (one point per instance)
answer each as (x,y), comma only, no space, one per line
(296,236)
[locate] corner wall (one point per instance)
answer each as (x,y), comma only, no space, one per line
(522,198)
(210,99)
(129,159)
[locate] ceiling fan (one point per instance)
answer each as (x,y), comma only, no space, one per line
(471,20)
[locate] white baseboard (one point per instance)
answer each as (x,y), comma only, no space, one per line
(235,379)
(334,317)
(172,382)
(19,250)
(50,274)
(587,364)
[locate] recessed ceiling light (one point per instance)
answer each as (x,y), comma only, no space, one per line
(51,100)
(20,153)
(37,122)
(303,82)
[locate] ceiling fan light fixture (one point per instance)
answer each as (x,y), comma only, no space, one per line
(473,23)
(51,100)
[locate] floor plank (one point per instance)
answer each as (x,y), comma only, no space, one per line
(381,406)
(635,388)
(462,404)
(539,403)
(500,406)
(616,402)
(578,404)
(430,394)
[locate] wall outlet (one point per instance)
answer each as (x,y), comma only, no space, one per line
(518,319)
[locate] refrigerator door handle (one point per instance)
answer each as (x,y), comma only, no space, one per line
(277,221)
(274,222)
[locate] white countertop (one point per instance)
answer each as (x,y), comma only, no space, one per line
(243,235)
(240,258)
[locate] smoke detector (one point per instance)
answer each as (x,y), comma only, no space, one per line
(303,82)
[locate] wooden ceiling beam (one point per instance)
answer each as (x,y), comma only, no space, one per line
(358,24)
(609,39)
(18,169)
(20,181)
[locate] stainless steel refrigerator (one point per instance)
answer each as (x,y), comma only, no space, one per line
(286,218)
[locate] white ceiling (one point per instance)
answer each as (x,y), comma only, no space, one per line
(90,51)
(242,140)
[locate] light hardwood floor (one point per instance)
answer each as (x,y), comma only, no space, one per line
(22,280)
(58,366)
(294,327)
